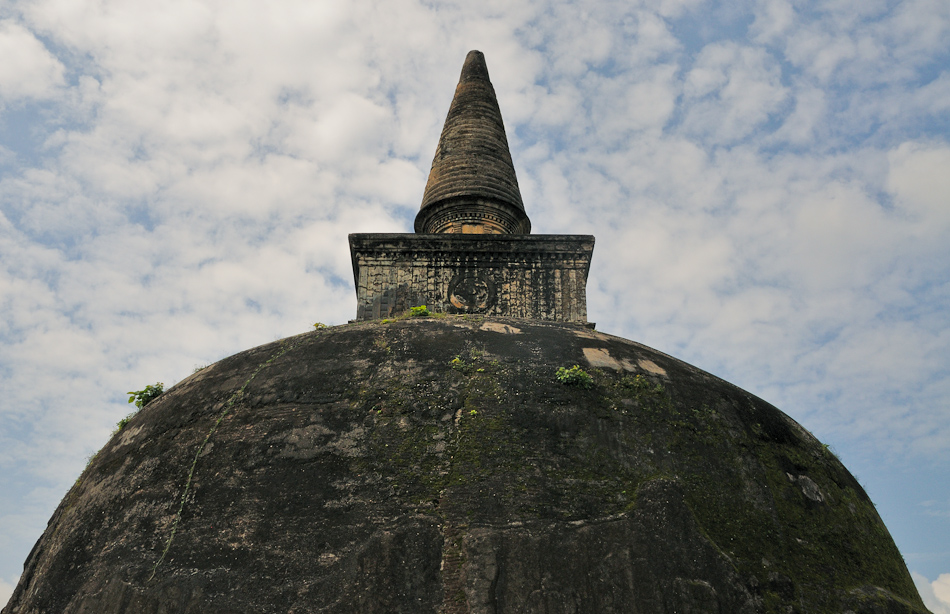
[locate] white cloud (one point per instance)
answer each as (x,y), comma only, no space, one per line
(28,69)
(919,181)
(650,102)
(941,588)
(936,594)
(852,43)
(914,28)
(772,19)
(821,52)
(6,590)
(935,508)
(802,125)
(672,9)
(731,89)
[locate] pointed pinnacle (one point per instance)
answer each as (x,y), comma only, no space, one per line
(472,179)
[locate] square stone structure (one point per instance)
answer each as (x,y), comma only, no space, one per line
(541,277)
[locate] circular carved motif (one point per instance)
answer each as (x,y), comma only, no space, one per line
(472,292)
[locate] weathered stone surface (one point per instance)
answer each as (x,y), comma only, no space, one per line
(542,277)
(437,465)
(472,187)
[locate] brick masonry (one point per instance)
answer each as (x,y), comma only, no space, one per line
(541,277)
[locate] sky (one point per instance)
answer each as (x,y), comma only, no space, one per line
(768,182)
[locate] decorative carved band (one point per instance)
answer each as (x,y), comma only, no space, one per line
(482,216)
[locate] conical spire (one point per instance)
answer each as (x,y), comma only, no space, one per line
(472,185)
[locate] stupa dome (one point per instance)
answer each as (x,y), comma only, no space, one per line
(443,465)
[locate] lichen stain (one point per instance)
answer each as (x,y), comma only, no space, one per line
(498,327)
(652,367)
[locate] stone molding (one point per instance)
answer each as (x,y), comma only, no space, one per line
(490,217)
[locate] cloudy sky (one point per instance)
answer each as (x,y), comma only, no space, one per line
(768,182)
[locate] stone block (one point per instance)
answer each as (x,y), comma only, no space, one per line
(542,277)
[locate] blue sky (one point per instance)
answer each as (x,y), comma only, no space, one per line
(768,182)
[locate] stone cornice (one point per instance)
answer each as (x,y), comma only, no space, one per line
(474,249)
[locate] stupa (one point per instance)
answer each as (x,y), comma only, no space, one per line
(497,455)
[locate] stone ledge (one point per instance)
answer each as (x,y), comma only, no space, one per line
(459,245)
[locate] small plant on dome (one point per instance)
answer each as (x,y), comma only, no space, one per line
(319,325)
(141,398)
(642,384)
(419,312)
(121,423)
(574,377)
